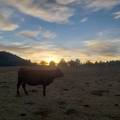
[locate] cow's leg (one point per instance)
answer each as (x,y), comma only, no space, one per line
(24,88)
(44,90)
(18,86)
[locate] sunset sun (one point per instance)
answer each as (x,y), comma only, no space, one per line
(52,58)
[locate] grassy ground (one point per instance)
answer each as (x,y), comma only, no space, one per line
(89,93)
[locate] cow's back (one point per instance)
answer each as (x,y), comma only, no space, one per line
(35,77)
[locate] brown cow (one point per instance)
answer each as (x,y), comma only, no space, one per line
(36,77)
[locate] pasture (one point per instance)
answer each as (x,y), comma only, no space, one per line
(88,93)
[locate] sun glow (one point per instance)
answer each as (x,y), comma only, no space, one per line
(44,56)
(52,58)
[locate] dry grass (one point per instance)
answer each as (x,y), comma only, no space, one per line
(85,94)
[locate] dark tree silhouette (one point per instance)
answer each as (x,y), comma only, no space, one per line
(43,63)
(74,64)
(9,59)
(88,62)
(52,64)
(62,63)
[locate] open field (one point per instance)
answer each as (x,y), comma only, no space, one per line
(89,93)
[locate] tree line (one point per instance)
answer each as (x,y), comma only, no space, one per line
(77,63)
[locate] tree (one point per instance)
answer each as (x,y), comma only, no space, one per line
(44,63)
(62,63)
(52,64)
(88,62)
(75,63)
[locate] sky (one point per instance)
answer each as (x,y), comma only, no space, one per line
(54,29)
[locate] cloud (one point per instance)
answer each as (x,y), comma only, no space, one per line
(67,2)
(16,48)
(103,47)
(55,11)
(46,34)
(29,34)
(101,4)
(43,9)
(94,50)
(5,23)
(35,52)
(117,15)
(84,20)
(6,26)
(38,53)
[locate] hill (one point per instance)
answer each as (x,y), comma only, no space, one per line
(9,59)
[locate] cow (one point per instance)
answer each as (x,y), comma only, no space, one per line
(36,77)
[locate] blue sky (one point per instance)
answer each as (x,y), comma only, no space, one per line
(54,29)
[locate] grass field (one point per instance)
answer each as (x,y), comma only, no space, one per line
(90,93)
